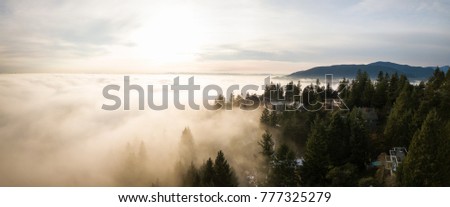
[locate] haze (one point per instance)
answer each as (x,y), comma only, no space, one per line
(53,132)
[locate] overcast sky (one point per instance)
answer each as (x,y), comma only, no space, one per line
(116,36)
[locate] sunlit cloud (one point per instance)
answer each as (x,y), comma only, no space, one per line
(207,36)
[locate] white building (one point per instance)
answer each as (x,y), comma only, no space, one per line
(395,158)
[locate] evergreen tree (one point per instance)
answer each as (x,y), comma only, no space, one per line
(315,165)
(338,140)
(367,96)
(343,176)
(427,162)
(134,168)
(219,102)
(186,147)
(237,102)
(273,92)
(295,127)
(129,172)
(343,90)
(444,93)
(437,79)
(207,173)
(279,92)
(392,90)
(359,139)
(402,81)
(436,94)
(289,94)
(399,128)
(273,119)
(224,175)
(319,92)
(297,91)
(191,177)
(329,92)
(211,174)
(265,119)
(361,90)
(284,172)
(267,144)
(381,90)
(269,92)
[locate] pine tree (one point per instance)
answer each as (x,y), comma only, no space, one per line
(430,98)
(284,172)
(269,92)
(343,90)
(437,79)
(289,94)
(399,127)
(381,89)
(392,90)
(319,92)
(427,162)
(367,96)
(265,119)
(444,93)
(361,90)
(224,175)
(359,139)
(279,92)
(273,119)
(338,135)
(294,127)
(219,102)
(297,91)
(191,177)
(343,176)
(207,174)
(267,144)
(187,147)
(402,80)
(310,98)
(329,92)
(216,173)
(315,165)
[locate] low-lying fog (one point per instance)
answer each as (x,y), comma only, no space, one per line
(53,132)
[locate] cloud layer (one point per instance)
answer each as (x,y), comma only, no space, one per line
(53,132)
(207,36)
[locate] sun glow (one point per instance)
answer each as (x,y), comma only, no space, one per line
(170,35)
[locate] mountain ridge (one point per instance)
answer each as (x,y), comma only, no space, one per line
(350,70)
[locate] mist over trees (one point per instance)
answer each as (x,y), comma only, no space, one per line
(217,173)
(314,146)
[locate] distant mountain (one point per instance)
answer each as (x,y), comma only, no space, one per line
(349,71)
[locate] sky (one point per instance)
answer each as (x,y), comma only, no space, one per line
(261,36)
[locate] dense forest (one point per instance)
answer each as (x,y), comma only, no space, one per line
(351,140)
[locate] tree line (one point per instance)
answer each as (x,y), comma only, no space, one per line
(338,147)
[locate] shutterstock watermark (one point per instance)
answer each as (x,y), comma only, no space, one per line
(274,97)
